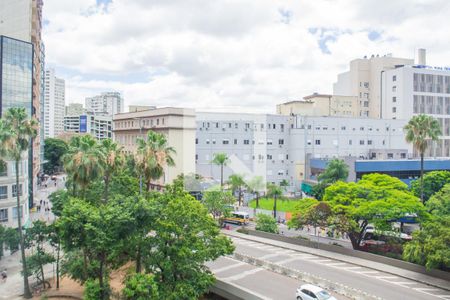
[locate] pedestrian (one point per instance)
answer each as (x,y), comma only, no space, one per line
(41,201)
(55,182)
(4,275)
(38,208)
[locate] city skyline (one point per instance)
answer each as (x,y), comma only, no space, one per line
(240,55)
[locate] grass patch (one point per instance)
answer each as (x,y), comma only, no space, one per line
(282,204)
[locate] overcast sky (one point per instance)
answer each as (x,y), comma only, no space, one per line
(230,54)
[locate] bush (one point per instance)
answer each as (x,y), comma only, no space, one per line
(266,223)
(140,287)
(92,290)
(242,230)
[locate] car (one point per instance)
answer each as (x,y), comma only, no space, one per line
(312,292)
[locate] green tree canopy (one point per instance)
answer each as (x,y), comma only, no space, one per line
(266,223)
(336,170)
(218,202)
(432,183)
(54,150)
(140,287)
(237,184)
(439,203)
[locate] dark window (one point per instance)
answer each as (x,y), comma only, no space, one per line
(281,142)
(3,192)
(317,142)
(196,141)
(361,142)
(235,141)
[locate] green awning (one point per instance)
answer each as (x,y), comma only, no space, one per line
(307,188)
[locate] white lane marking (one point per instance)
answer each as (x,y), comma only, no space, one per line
(385,277)
(243,274)
(368,272)
(423,290)
(352,268)
(404,282)
(228,267)
(426,289)
(443,296)
(321,261)
(335,264)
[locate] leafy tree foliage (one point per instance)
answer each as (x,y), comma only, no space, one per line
(218,202)
(337,170)
(311,212)
(140,287)
(256,186)
(237,184)
(276,192)
(221,159)
(266,223)
(432,183)
(439,203)
(54,150)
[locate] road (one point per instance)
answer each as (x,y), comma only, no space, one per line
(377,283)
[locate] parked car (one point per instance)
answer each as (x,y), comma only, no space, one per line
(312,292)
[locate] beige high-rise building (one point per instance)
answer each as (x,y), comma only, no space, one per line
(317,105)
(363,80)
(178,124)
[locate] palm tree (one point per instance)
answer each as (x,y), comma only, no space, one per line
(113,159)
(154,155)
(220,159)
(83,161)
(337,170)
(237,183)
(16,133)
(274,191)
(256,185)
(419,130)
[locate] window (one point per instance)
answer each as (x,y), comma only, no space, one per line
(343,127)
(4,215)
(196,141)
(394,88)
(394,99)
(269,156)
(281,142)
(394,109)
(225,142)
(361,128)
(369,142)
(217,125)
(390,155)
(14,190)
(350,142)
(246,142)
(3,168)
(394,78)
(214,141)
(308,142)
(269,142)
(309,126)
(280,172)
(14,212)
(317,142)
(157,121)
(196,156)
(207,142)
(366,85)
(3,192)
(402,155)
(361,142)
(235,141)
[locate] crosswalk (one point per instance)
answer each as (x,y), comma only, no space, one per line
(285,257)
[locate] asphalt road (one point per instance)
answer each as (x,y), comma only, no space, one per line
(383,285)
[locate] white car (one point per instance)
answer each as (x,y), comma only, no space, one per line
(312,292)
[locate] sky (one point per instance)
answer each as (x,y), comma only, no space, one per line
(230,55)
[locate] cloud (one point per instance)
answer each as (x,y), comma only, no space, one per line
(230,54)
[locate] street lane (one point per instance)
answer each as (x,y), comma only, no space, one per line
(376,283)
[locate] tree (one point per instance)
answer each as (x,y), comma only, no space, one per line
(274,191)
(217,202)
(16,132)
(113,160)
(439,203)
(140,287)
(55,241)
(153,155)
(336,170)
(266,223)
(184,237)
(36,237)
(311,212)
(432,183)
(284,184)
(237,184)
(54,150)
(376,199)
(419,130)
(82,162)
(220,159)
(256,186)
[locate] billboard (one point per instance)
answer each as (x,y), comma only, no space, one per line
(83,123)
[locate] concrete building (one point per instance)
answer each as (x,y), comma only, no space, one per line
(136,108)
(16,82)
(278,147)
(108,103)
(100,127)
(178,124)
(74,109)
(321,105)
(363,80)
(22,20)
(419,89)
(54,104)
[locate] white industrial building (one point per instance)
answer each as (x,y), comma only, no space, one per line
(108,103)
(100,127)
(277,147)
(54,104)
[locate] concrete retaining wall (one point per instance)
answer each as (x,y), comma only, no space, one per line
(350,252)
(233,292)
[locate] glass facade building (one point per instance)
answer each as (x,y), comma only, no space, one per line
(16,70)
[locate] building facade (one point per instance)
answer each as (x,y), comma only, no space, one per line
(177,124)
(74,109)
(54,104)
(100,127)
(321,105)
(16,71)
(411,90)
(363,80)
(108,103)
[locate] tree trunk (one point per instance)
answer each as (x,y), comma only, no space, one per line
(42,273)
(421,177)
(239,196)
(138,259)
(106,188)
(221,176)
(354,240)
(85,264)
(257,199)
(275,207)
(57,265)
(26,286)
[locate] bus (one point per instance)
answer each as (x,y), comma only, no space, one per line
(237,217)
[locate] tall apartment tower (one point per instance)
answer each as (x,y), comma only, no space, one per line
(108,103)
(22,20)
(363,80)
(54,104)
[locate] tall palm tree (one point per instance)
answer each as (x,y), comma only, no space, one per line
(83,161)
(153,155)
(419,130)
(113,159)
(220,159)
(237,183)
(256,185)
(336,170)
(274,191)
(16,133)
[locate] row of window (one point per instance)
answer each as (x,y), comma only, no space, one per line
(245,142)
(431,105)
(4,214)
(139,123)
(431,83)
(281,157)
(229,125)
(344,128)
(318,142)
(4,191)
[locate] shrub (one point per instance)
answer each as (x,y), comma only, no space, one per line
(140,287)
(266,223)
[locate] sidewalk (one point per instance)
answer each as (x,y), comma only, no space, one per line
(436,282)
